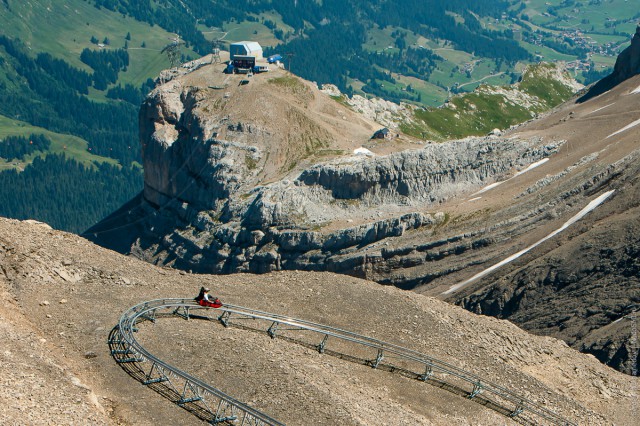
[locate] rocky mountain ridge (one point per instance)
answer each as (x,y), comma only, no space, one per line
(627,65)
(231,223)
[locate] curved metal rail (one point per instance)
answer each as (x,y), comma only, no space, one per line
(193,391)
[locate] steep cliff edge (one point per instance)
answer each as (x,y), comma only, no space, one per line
(263,173)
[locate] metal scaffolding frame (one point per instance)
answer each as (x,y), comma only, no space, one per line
(216,407)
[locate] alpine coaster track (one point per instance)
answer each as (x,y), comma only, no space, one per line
(216,407)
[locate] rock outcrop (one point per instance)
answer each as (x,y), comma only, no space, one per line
(206,206)
(628,62)
(281,225)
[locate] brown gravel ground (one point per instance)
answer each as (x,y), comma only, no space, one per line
(61,296)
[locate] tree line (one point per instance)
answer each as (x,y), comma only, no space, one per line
(50,93)
(17,147)
(106,65)
(66,194)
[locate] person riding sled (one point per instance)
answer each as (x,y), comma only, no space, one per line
(204,299)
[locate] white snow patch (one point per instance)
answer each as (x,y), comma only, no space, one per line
(363,151)
(635,123)
(488,187)
(474,199)
(531,167)
(628,316)
(493,185)
(636,91)
(601,108)
(592,205)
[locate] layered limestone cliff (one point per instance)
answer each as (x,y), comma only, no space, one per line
(628,62)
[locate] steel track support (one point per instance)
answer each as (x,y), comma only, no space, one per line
(130,360)
(477,389)
(184,315)
(162,377)
(149,316)
(428,372)
(379,358)
(220,417)
(183,399)
(273,329)
(116,339)
(249,420)
(244,419)
(168,375)
(518,410)
(323,344)
(156,380)
(224,419)
(205,398)
(224,318)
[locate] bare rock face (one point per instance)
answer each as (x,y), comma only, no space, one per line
(180,150)
(429,175)
(221,193)
(280,226)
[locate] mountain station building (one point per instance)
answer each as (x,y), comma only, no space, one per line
(244,55)
(245,48)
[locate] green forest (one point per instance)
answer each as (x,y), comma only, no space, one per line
(72,200)
(58,104)
(329,30)
(56,189)
(17,147)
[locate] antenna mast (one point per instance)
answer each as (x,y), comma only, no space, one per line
(173,51)
(289,55)
(215,50)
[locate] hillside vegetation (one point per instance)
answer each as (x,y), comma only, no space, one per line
(418,51)
(543,87)
(80,96)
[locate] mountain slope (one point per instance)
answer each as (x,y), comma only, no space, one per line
(62,295)
(48,88)
(588,279)
(416,51)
